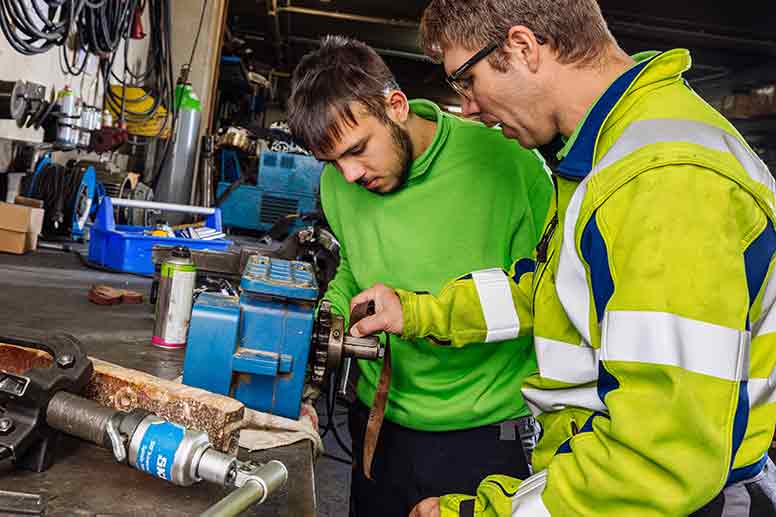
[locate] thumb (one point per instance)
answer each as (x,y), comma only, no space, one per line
(368,326)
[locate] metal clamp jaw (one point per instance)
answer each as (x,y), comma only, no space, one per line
(25,438)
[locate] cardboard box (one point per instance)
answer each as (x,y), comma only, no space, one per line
(19,228)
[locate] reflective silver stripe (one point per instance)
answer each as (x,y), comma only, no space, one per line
(546,400)
(565,362)
(498,308)
(762,391)
(572,286)
(646,132)
(527,501)
(668,339)
(766,323)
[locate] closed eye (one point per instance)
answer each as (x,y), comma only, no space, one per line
(356,150)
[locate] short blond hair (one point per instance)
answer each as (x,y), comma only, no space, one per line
(575,29)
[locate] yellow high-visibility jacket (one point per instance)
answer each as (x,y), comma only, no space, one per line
(651,300)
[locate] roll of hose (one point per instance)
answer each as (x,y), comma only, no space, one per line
(58,187)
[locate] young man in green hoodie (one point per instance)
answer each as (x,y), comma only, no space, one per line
(416,196)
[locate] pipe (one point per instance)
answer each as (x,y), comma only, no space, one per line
(382,51)
(346,16)
(707,39)
(274,25)
(79,417)
(267,480)
(169,207)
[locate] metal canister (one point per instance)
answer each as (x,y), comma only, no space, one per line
(86,125)
(107,119)
(66,99)
(174,299)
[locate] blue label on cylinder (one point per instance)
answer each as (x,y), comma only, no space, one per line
(158,447)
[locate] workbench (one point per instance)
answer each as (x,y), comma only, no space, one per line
(47,290)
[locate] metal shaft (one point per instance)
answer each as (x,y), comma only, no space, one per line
(270,477)
(362,347)
(169,207)
(79,417)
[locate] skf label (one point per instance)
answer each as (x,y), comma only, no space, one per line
(158,447)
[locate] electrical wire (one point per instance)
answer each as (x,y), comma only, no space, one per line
(167,146)
(96,26)
(199,29)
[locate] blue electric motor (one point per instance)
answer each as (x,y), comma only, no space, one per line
(255,347)
(287,184)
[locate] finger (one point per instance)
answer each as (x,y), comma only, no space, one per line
(368,326)
(363,297)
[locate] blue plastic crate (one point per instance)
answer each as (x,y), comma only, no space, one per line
(128,249)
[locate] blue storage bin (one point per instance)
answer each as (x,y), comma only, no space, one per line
(128,249)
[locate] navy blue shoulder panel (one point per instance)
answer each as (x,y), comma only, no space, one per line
(595,254)
(579,159)
(757,259)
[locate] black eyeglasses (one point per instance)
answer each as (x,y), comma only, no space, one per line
(454,79)
(464,88)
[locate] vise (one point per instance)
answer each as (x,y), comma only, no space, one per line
(260,347)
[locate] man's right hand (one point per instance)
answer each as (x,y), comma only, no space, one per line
(388,316)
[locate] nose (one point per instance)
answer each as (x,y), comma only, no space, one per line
(351,171)
(469,107)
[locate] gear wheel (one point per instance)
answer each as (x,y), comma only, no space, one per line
(328,342)
(321,335)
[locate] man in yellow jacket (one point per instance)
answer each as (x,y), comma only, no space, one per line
(651,294)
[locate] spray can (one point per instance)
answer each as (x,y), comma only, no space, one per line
(174,299)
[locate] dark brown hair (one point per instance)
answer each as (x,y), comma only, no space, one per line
(327,82)
(575,29)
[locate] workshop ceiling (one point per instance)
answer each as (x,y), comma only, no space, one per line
(733,43)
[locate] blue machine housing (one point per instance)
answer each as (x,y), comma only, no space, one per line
(287,184)
(255,347)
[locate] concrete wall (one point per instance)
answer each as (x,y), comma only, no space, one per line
(185,20)
(45,69)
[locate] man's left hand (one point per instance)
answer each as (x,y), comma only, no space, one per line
(388,314)
(428,507)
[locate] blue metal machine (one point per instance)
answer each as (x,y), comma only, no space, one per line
(256,347)
(287,184)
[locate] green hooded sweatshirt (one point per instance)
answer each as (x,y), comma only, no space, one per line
(473,200)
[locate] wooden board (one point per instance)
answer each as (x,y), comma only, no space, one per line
(125,389)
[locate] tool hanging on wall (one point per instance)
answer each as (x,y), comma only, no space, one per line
(42,402)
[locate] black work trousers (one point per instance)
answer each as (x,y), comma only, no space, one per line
(411,465)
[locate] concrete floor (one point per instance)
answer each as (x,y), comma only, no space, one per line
(332,478)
